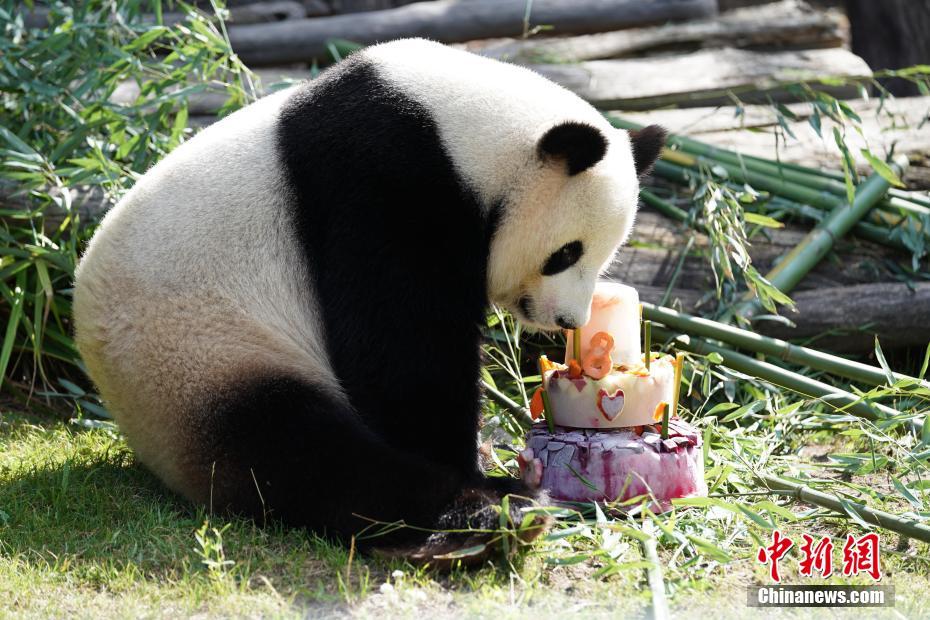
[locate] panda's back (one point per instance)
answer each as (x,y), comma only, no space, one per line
(195,283)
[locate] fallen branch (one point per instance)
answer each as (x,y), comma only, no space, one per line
(905,526)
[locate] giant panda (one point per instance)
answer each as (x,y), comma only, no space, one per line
(284,315)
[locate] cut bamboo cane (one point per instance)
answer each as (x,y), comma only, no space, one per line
(663,206)
(520,414)
(799,261)
(829,395)
(686,165)
(773,347)
(654,573)
(901,525)
(870,232)
(895,195)
(784,175)
(881,235)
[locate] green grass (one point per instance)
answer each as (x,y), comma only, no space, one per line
(86,532)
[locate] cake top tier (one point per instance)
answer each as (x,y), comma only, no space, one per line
(615,310)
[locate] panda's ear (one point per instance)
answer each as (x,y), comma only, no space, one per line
(580,146)
(647,143)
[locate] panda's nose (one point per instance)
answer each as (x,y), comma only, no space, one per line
(565,323)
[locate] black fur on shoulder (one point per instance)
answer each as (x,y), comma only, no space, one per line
(647,143)
(397,247)
(579,145)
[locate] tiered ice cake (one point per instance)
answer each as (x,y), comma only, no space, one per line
(606,405)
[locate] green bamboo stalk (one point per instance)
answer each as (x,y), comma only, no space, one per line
(821,201)
(663,206)
(870,232)
(897,198)
(654,573)
(812,181)
(832,396)
(520,414)
(802,258)
(803,493)
(677,165)
(772,347)
(647,342)
(864,230)
(821,181)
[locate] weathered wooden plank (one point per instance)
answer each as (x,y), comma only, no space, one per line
(785,24)
(452,21)
(702,78)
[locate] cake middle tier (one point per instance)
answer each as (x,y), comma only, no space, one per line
(620,399)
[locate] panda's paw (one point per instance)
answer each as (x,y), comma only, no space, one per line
(493,521)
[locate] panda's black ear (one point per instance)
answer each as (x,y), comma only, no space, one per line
(580,146)
(647,143)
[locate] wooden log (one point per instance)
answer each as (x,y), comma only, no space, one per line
(700,78)
(845,291)
(90,202)
(452,21)
(706,77)
(848,318)
(786,24)
(254,13)
(840,318)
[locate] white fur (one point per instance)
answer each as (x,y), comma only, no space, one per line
(194,281)
(491,116)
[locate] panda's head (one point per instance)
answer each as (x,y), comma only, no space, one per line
(562,223)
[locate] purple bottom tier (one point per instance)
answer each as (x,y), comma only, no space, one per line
(614,465)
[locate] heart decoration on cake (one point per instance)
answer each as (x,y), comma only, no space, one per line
(610,406)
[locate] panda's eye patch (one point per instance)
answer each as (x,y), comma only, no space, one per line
(563,258)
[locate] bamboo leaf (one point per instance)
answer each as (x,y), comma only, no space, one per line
(463,553)
(709,549)
(926,364)
(16,314)
(906,493)
(762,220)
(744,411)
(884,364)
(850,510)
(883,169)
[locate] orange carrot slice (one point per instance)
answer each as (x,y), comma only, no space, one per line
(660,411)
(574,369)
(536,404)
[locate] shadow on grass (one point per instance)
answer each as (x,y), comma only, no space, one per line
(78,502)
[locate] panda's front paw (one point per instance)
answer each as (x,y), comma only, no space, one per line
(472,530)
